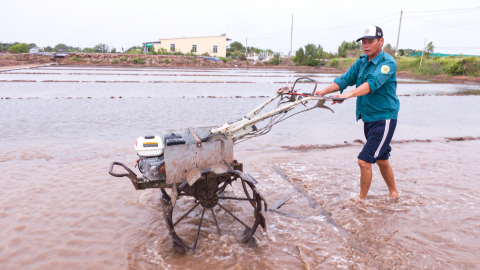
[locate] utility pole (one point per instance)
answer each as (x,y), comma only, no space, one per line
(423,52)
(398,37)
(246,46)
(291,38)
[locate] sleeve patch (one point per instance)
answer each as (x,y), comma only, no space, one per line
(385,69)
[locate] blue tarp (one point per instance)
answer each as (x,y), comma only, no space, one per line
(216,59)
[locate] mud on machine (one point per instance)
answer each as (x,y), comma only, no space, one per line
(198,163)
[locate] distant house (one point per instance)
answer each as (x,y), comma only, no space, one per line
(213,46)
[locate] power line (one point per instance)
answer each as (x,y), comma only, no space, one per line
(476,30)
(459,48)
(279,34)
(441,10)
(447,13)
(355,24)
(326,29)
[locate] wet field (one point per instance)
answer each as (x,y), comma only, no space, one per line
(61,209)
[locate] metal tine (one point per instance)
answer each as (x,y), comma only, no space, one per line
(216,223)
(234,216)
(198,231)
(238,199)
(186,214)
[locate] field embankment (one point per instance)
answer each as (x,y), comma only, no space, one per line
(455,70)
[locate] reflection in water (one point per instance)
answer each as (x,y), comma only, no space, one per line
(60,208)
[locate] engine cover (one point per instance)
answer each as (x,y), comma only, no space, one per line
(152,168)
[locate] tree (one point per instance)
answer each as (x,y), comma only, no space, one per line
(19,48)
(61,46)
(430,48)
(88,50)
(103,48)
(236,46)
(349,48)
(113,50)
(389,49)
(299,56)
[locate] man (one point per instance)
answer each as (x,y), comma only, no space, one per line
(374,75)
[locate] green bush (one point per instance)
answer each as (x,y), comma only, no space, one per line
(114,61)
(195,60)
(224,59)
(167,61)
(163,51)
(274,61)
(19,48)
(310,62)
(334,63)
(456,68)
(138,60)
(123,58)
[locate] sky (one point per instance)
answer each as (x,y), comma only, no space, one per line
(452,26)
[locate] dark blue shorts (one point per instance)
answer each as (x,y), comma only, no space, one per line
(378,135)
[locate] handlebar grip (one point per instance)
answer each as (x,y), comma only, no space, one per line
(334,98)
(118,174)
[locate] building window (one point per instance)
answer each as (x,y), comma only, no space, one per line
(194,48)
(215,49)
(172,47)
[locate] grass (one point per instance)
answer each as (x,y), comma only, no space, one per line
(341,63)
(76,59)
(274,61)
(469,92)
(114,61)
(440,66)
(134,52)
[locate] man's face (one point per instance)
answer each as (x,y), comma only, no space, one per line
(372,47)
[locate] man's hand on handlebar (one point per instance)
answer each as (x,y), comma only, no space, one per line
(344,96)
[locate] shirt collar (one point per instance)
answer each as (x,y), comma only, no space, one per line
(374,60)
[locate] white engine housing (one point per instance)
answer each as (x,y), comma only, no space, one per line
(149,146)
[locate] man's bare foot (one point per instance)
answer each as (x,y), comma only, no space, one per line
(393,195)
(361,201)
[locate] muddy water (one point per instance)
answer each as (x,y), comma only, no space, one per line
(61,210)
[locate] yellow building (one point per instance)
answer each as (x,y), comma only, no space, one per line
(214,46)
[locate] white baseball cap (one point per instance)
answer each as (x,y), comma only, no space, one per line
(371,32)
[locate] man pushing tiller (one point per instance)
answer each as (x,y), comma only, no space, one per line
(374,75)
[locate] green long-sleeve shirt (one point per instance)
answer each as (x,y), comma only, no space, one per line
(380,73)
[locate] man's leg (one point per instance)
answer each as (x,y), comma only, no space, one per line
(365,178)
(387,174)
